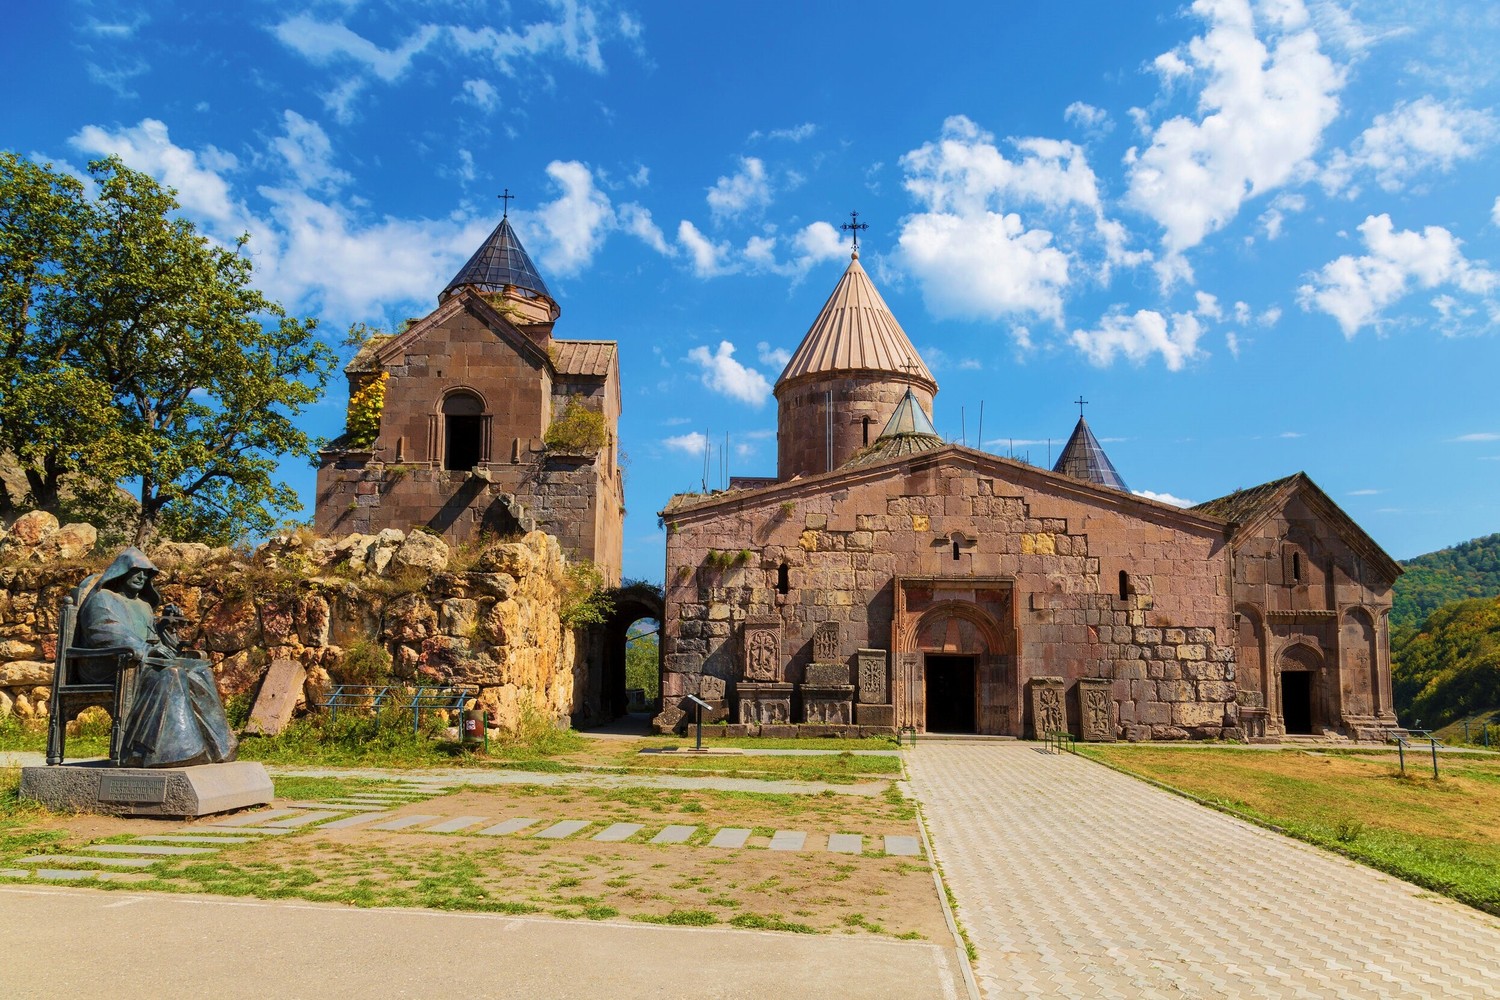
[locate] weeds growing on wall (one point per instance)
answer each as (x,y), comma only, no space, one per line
(362,422)
(584,599)
(578,429)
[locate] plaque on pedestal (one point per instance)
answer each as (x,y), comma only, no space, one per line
(1096,710)
(1048,708)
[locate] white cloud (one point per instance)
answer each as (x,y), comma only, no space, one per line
(775,357)
(1364,493)
(1139,336)
(970,246)
(115,30)
(1232,342)
(641,177)
(481,93)
(637,221)
(795,134)
(746,190)
(1291,434)
(1268,93)
(340,100)
(574,226)
(195,175)
(1273,218)
(576,36)
(692,443)
(1355,290)
(728,377)
(1481,436)
(1413,137)
(325,42)
(308,154)
(1088,117)
(1163,498)
(709,258)
(1208,306)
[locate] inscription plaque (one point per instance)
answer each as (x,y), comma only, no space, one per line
(133,788)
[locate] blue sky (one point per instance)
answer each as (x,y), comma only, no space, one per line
(1258,237)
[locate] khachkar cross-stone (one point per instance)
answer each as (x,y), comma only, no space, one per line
(505,200)
(854,226)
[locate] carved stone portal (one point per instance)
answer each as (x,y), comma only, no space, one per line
(761,649)
(826,643)
(765,704)
(874,689)
(1048,709)
(1096,705)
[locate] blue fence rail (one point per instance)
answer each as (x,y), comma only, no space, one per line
(373,697)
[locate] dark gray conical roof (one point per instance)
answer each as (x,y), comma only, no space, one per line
(500,262)
(1083,458)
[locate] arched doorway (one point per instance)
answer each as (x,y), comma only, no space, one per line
(463,430)
(1300,671)
(959,669)
(638,611)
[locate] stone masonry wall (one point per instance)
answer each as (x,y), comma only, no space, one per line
(492,623)
(1168,647)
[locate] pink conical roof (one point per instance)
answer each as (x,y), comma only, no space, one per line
(856,332)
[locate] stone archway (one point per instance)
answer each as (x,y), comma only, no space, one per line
(956,644)
(1301,702)
(603,696)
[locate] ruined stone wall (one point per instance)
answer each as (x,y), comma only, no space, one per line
(1309,602)
(1167,648)
(492,623)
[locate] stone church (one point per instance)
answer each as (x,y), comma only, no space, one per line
(483,421)
(885,578)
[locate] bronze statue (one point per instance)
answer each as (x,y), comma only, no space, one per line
(176,717)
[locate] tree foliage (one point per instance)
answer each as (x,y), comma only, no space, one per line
(1449,668)
(1471,569)
(135,351)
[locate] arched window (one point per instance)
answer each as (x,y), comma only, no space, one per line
(1124,585)
(955,548)
(463,431)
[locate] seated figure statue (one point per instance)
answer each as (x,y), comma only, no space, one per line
(175,718)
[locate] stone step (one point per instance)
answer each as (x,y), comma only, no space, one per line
(69,874)
(456,824)
(259,831)
(618,831)
(75,859)
(906,847)
(730,837)
(360,820)
(163,850)
(306,819)
(187,838)
(845,843)
(788,840)
(674,835)
(509,826)
(252,818)
(402,822)
(566,828)
(340,806)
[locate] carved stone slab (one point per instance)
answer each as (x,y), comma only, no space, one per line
(825,674)
(1096,710)
(832,706)
(875,715)
(874,688)
(764,704)
(826,643)
(1049,711)
(277,698)
(760,649)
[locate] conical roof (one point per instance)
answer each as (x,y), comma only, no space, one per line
(1083,458)
(499,263)
(857,332)
(908,432)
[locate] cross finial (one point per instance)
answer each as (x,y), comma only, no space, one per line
(1081,404)
(505,200)
(854,226)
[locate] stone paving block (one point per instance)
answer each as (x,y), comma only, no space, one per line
(455,824)
(41,859)
(359,820)
(846,843)
(509,826)
(730,836)
(259,831)
(788,840)
(402,822)
(252,818)
(124,877)
(61,874)
(188,838)
(674,834)
(340,806)
(566,828)
(906,847)
(306,819)
(617,832)
(14,873)
(157,849)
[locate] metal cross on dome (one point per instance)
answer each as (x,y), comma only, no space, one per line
(505,200)
(1081,404)
(854,226)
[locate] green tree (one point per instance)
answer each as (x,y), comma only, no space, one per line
(137,352)
(641,658)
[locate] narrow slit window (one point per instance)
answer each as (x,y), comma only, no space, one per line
(955,548)
(1296,567)
(866,427)
(783,579)
(1124,585)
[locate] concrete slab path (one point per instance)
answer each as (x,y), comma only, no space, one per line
(233,949)
(1076,881)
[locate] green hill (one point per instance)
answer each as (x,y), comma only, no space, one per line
(1471,569)
(1449,668)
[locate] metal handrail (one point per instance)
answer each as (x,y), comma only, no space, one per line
(1060,741)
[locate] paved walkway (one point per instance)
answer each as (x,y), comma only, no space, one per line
(1076,881)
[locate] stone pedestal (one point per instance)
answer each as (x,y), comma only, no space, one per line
(820,675)
(179,792)
(1047,706)
(832,705)
(764,704)
(883,716)
(1096,710)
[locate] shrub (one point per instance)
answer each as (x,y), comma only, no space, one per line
(362,422)
(584,600)
(578,429)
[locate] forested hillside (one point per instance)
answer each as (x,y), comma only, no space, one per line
(1449,668)
(1432,580)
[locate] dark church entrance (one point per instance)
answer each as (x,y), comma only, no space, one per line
(950,694)
(1296,701)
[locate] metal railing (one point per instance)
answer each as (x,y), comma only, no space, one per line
(1403,744)
(372,697)
(1061,741)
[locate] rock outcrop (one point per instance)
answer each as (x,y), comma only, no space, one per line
(489,618)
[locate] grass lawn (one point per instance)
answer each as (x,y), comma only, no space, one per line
(1441,834)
